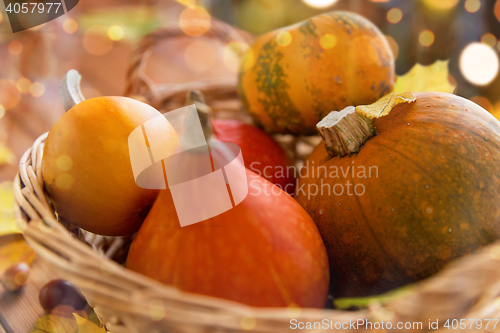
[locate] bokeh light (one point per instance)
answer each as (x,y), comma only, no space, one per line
(479,64)
(95,40)
(15,47)
(194,21)
(70,26)
(472,6)
(283,38)
(2,111)
(426,38)
(293,310)
(23,84)
(115,32)
(319,3)
(328,41)
(394,15)
(379,0)
(1,17)
(489,39)
(37,89)
(440,4)
(248,323)
(393,45)
(156,309)
(233,52)
(9,94)
(200,56)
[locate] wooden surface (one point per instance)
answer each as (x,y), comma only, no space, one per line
(19,311)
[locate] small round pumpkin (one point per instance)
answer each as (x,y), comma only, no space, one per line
(292,77)
(86,165)
(420,193)
(266,251)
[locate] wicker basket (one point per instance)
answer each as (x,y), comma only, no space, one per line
(129,302)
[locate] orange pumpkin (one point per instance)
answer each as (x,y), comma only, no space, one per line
(86,165)
(266,251)
(292,77)
(421,193)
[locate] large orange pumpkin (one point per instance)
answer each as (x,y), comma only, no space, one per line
(86,165)
(266,251)
(292,77)
(422,192)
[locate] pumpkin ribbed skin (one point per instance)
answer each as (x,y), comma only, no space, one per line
(435,198)
(288,89)
(93,184)
(266,251)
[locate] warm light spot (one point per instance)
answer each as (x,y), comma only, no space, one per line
(95,40)
(489,39)
(200,56)
(328,41)
(483,102)
(2,111)
(23,84)
(472,6)
(9,94)
(1,17)
(394,15)
(426,38)
(194,21)
(293,310)
(70,26)
(440,4)
(115,32)
(64,162)
(379,0)
(15,47)
(248,60)
(495,254)
(479,64)
(319,3)
(37,89)
(386,313)
(65,181)
(393,45)
(231,57)
(283,38)
(248,323)
(497,10)
(156,310)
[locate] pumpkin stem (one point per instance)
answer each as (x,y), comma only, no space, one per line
(69,89)
(345,132)
(204,112)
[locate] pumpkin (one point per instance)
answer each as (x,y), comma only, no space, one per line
(420,193)
(266,251)
(261,153)
(292,77)
(86,165)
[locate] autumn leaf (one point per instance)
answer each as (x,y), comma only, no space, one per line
(14,251)
(384,105)
(63,324)
(7,221)
(363,302)
(426,78)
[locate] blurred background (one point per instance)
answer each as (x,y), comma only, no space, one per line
(98,39)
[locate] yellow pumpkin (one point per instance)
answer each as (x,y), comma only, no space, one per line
(292,77)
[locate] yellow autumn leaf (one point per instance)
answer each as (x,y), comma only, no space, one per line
(426,78)
(384,105)
(7,221)
(55,324)
(86,326)
(14,251)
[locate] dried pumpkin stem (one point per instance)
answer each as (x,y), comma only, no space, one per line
(345,132)
(69,89)
(204,112)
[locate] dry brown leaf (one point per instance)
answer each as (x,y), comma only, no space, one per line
(384,105)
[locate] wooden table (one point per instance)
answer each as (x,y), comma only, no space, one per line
(20,310)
